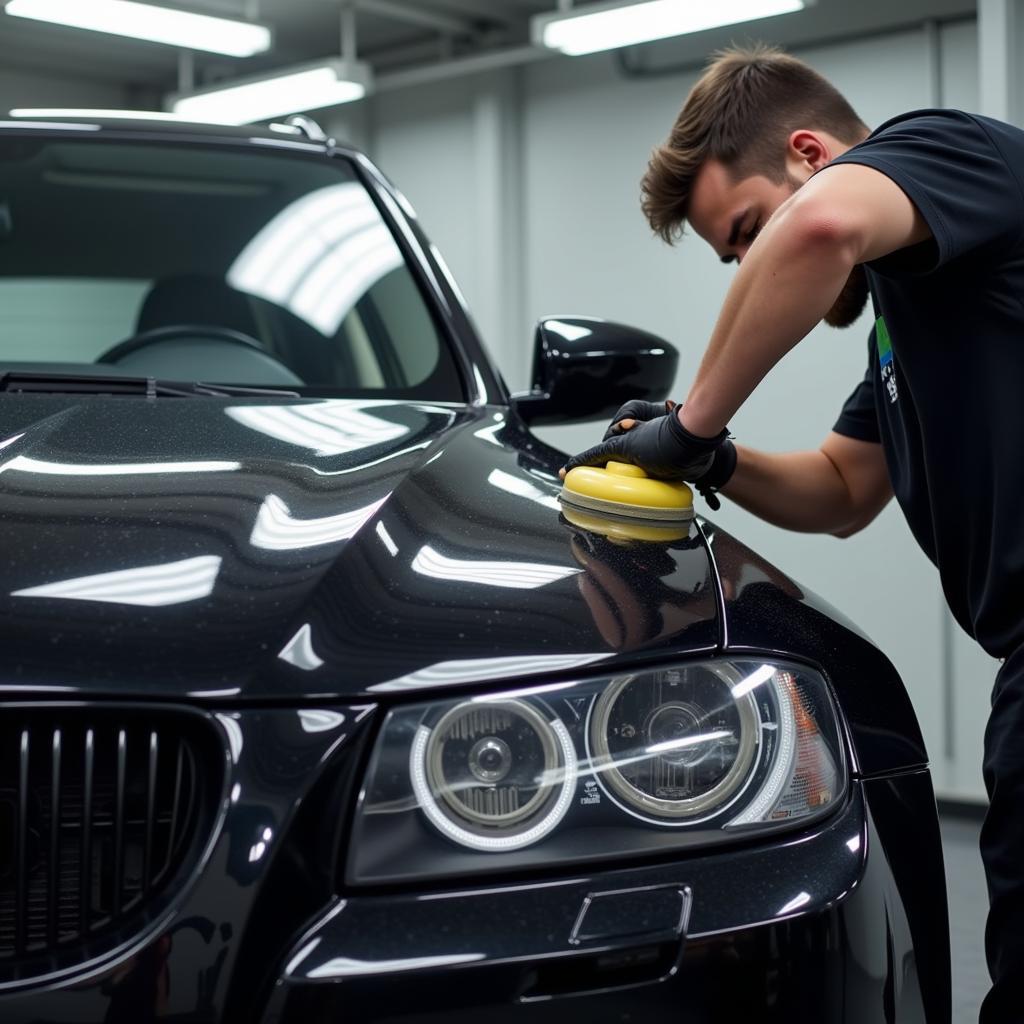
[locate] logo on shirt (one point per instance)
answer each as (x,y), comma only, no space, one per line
(885,361)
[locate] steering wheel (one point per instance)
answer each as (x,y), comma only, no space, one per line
(177,332)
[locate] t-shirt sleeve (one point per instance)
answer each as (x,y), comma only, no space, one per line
(858,418)
(953,169)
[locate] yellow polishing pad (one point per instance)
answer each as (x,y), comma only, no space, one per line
(626,490)
(621,530)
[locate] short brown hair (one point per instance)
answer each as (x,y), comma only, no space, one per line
(740,112)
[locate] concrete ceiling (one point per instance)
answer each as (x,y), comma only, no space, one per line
(397,34)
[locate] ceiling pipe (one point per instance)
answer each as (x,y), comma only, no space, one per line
(447,23)
(493,61)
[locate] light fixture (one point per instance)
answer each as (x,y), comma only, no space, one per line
(287,91)
(605,26)
(146,21)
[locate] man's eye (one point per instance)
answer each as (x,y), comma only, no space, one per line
(753,233)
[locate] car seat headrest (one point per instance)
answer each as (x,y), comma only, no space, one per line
(196,299)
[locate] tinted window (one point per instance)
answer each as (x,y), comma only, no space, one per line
(221,265)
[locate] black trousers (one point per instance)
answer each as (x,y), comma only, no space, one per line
(1002,845)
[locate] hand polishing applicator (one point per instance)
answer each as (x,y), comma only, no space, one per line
(622,489)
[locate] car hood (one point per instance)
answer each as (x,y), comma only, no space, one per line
(224,548)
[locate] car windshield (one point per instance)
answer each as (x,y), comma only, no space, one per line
(249,266)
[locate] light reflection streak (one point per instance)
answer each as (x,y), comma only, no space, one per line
(234,734)
(150,586)
(754,680)
(386,539)
(275,528)
(277,257)
(510,575)
(374,462)
(24,464)
(522,488)
(484,669)
(481,398)
(488,433)
(688,741)
(320,719)
(343,276)
(319,255)
(301,955)
(571,332)
(345,967)
(326,428)
(299,651)
(798,901)
(526,691)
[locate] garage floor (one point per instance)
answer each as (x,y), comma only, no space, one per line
(968,903)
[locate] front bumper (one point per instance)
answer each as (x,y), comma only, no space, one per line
(838,923)
(835,925)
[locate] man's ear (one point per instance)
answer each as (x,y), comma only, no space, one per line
(806,152)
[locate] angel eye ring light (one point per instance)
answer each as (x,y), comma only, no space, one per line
(677,750)
(493,775)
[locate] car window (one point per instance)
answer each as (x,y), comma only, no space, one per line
(36,315)
(208,263)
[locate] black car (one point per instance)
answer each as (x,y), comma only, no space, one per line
(317,705)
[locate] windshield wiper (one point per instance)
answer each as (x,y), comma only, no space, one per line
(100,384)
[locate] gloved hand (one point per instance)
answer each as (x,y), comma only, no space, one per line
(666,449)
(637,410)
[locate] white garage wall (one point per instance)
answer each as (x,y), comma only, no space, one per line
(573,240)
(24,89)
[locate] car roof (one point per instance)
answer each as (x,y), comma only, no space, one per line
(174,129)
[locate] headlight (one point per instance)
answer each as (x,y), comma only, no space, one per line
(613,767)
(493,775)
(679,749)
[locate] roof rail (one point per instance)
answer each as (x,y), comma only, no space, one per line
(303,125)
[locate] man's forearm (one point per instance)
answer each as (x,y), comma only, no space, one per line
(786,284)
(800,491)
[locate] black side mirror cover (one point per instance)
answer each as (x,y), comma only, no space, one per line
(585,368)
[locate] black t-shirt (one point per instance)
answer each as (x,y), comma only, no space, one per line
(944,389)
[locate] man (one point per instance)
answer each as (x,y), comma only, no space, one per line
(771,166)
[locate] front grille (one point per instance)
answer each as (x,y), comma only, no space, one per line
(101,811)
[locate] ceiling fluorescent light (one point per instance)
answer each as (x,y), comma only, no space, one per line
(155,24)
(610,25)
(289,91)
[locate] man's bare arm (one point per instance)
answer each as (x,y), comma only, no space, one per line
(845,215)
(838,489)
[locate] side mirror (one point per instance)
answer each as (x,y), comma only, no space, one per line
(584,369)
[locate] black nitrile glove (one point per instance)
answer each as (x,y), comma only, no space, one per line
(723,464)
(640,410)
(662,446)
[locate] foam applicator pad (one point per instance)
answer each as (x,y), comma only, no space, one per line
(625,490)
